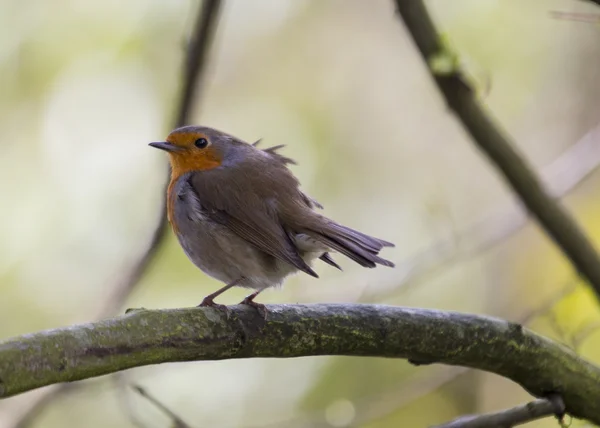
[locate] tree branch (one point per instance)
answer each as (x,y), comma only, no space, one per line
(145,337)
(518,415)
(196,58)
(381,404)
(461,99)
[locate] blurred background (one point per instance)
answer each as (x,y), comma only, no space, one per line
(84,86)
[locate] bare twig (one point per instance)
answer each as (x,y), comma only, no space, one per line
(177,421)
(22,414)
(518,415)
(195,61)
(557,222)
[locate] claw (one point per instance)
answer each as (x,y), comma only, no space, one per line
(209,302)
(262,309)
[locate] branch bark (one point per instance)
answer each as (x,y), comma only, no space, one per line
(557,222)
(144,337)
(518,415)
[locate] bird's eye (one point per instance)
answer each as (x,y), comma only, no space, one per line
(201,143)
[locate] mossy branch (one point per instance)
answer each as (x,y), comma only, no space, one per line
(144,337)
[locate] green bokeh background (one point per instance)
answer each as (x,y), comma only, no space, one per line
(84,86)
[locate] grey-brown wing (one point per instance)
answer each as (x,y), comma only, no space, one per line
(251,215)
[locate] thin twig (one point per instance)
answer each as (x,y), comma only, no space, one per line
(557,222)
(177,421)
(193,70)
(518,415)
(196,58)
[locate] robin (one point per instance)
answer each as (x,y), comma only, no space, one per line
(241,218)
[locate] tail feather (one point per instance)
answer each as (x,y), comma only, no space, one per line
(326,257)
(374,244)
(357,246)
(370,255)
(350,253)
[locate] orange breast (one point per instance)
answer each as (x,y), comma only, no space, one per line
(196,160)
(171,205)
(182,163)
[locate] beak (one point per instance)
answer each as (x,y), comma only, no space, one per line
(163,145)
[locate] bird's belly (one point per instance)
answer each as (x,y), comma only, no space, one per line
(223,255)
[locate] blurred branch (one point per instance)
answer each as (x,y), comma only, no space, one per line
(196,58)
(518,415)
(21,415)
(490,140)
(145,337)
(597,2)
(177,421)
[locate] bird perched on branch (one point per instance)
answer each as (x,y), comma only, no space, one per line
(241,218)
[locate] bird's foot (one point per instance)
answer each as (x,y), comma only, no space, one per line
(262,309)
(209,302)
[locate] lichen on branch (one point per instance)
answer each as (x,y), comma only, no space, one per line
(144,337)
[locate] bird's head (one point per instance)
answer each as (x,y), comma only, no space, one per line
(198,148)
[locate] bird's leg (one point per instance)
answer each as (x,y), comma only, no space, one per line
(210,299)
(249,300)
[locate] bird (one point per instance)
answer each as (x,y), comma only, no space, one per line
(241,218)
